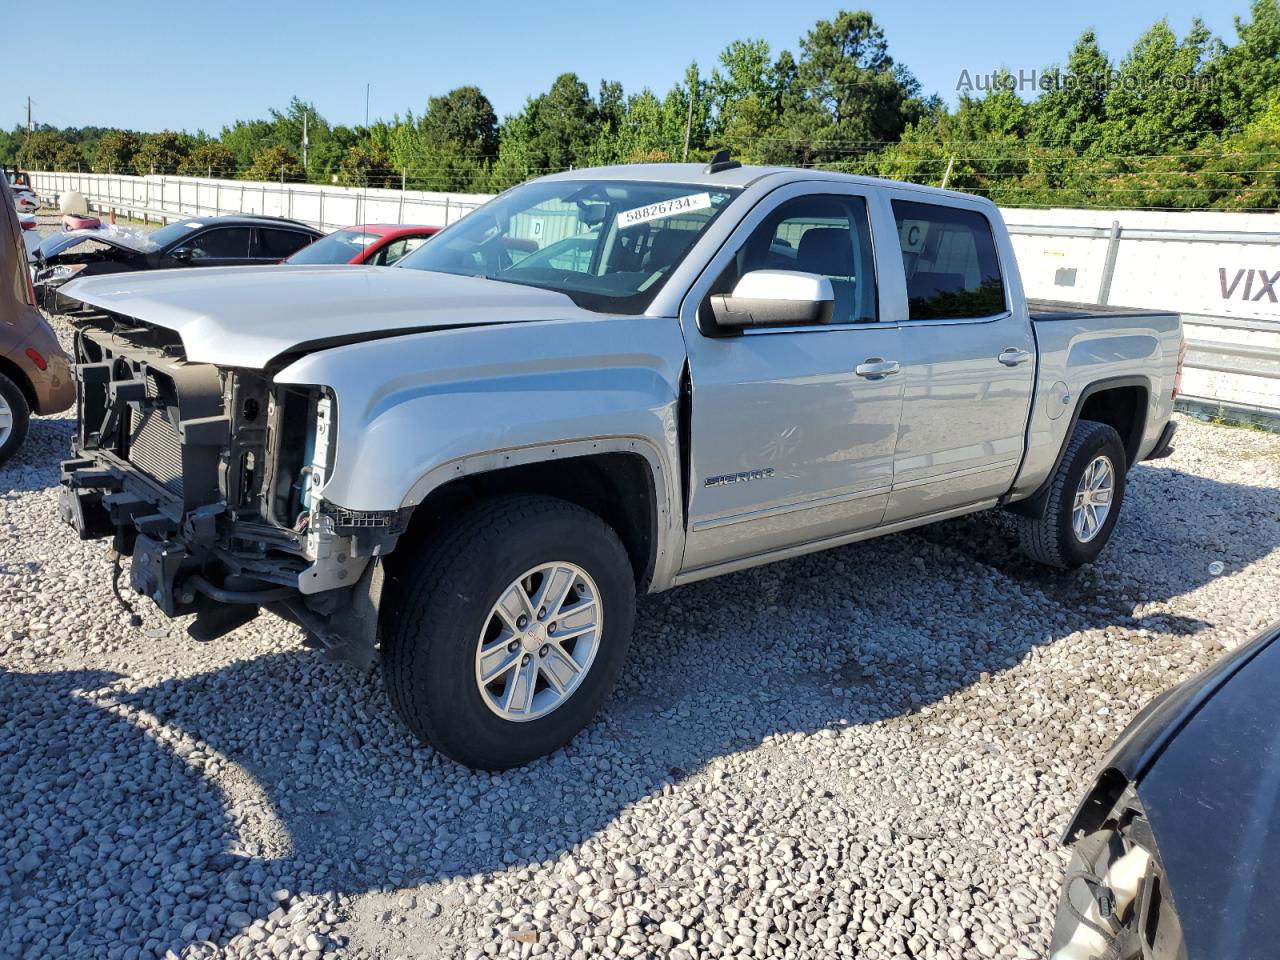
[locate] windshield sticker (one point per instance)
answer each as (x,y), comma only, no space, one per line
(667,208)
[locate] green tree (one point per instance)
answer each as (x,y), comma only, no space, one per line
(747,98)
(209,160)
(1072,111)
(40,150)
(275,162)
(848,94)
(10,144)
(114,152)
(367,165)
(677,115)
(462,118)
(159,153)
(69,157)
(244,139)
(555,130)
(1163,99)
(1248,73)
(1243,171)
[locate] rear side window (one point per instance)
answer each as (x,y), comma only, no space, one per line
(278,244)
(949,257)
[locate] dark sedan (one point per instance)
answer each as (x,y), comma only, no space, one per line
(197,242)
(1176,848)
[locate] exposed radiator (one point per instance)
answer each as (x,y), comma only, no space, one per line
(156,449)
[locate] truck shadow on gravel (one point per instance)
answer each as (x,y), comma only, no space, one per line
(146,818)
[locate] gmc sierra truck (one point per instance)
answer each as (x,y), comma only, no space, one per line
(602,382)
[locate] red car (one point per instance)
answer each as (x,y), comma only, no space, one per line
(376,244)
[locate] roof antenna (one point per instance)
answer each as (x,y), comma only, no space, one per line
(720,162)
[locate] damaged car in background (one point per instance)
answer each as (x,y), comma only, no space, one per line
(1175,846)
(197,242)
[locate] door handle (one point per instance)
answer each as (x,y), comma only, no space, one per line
(874,368)
(1013,356)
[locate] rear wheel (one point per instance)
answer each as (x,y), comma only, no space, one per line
(509,630)
(15,415)
(1084,500)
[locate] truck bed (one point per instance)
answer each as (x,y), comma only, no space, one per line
(1063,310)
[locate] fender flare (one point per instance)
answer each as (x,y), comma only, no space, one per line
(1033,506)
(668,516)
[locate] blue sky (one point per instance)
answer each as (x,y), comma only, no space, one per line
(188,66)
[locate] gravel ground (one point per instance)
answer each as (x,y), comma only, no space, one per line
(868,752)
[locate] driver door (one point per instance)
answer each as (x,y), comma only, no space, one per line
(219,247)
(793,428)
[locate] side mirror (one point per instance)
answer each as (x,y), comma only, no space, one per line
(766,298)
(183,254)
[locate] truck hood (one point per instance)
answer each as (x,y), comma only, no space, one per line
(247,316)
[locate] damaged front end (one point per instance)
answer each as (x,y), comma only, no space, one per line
(212,480)
(64,257)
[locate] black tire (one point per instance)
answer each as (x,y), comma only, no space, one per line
(1050,538)
(445,594)
(16,402)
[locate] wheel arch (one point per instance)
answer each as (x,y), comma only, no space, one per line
(22,382)
(1120,402)
(622,480)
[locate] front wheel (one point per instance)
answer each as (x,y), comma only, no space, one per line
(509,630)
(1084,500)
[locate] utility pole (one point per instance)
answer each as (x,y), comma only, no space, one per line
(28,115)
(305,142)
(951,162)
(688,127)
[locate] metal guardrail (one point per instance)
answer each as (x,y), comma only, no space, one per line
(1240,359)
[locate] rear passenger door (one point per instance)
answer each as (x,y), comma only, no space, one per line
(792,427)
(968,357)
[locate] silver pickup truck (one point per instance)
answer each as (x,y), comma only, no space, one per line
(602,382)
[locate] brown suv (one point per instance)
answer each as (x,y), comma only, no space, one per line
(35,375)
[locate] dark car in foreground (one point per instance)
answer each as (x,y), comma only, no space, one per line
(373,244)
(196,242)
(35,375)
(1176,846)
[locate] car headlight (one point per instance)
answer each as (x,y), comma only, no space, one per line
(1115,901)
(61,273)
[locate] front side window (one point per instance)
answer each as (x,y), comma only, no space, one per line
(949,256)
(396,249)
(229,243)
(607,245)
(828,235)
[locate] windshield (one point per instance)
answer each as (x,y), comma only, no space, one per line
(607,245)
(340,247)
